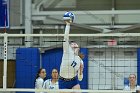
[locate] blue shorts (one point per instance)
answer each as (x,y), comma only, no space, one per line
(68,84)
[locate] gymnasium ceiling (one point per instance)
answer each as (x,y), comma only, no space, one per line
(94,23)
(87,22)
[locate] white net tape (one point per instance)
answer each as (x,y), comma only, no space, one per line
(66,91)
(76,35)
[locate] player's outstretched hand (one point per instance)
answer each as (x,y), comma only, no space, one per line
(67,22)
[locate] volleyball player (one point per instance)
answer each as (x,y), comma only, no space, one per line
(52,83)
(39,81)
(71,68)
(132,83)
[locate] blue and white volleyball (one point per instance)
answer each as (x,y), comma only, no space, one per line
(69,16)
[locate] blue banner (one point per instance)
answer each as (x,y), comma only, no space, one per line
(4,13)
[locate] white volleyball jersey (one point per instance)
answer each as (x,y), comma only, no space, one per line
(49,85)
(127,88)
(39,84)
(70,64)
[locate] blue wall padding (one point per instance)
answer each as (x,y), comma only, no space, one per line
(52,59)
(3,8)
(27,65)
(138,66)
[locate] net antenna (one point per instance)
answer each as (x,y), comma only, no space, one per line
(4,2)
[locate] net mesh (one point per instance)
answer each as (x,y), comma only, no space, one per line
(108,66)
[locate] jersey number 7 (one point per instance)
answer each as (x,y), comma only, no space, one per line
(73,64)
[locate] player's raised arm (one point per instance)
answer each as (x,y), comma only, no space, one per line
(66,37)
(68,19)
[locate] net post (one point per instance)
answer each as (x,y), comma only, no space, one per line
(5,62)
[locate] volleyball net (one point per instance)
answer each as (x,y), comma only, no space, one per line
(109,59)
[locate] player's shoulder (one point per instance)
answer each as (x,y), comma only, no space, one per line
(138,86)
(47,81)
(82,61)
(39,79)
(126,87)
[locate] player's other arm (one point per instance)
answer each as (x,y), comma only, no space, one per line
(80,72)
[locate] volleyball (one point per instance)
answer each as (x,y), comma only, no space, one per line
(69,16)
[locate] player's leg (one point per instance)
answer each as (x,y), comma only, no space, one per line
(76,87)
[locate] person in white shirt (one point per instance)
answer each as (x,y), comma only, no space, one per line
(71,69)
(39,81)
(52,83)
(132,83)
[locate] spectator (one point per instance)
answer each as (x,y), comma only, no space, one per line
(40,79)
(52,83)
(132,83)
